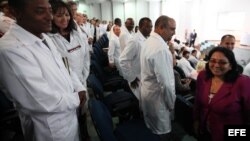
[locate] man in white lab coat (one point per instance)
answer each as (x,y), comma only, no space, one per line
(117,22)
(35,77)
(126,33)
(185,65)
(114,49)
(157,78)
(130,57)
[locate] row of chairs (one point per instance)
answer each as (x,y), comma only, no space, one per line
(131,130)
(123,104)
(184,106)
(120,102)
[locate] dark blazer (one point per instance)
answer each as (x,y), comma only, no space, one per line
(231,105)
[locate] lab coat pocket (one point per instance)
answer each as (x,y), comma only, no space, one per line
(57,126)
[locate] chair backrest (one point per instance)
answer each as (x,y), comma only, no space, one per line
(102,120)
(96,85)
(98,70)
(180,71)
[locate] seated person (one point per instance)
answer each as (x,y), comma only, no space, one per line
(192,58)
(186,66)
(181,83)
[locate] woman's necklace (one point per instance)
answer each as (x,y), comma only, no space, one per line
(215,86)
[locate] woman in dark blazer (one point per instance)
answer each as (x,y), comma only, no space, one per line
(222,96)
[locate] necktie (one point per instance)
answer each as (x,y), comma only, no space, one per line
(94,39)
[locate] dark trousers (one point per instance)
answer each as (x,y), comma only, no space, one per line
(204,136)
(167,137)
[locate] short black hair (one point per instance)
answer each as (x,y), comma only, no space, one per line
(118,21)
(193,51)
(143,21)
(232,74)
(3,4)
(227,35)
(57,5)
(17,4)
(185,52)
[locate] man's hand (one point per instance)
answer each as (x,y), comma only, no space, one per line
(82,97)
(134,84)
(90,41)
(111,65)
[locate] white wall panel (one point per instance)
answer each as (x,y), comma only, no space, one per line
(83,8)
(201,15)
(118,11)
(95,10)
(142,10)
(129,9)
(154,10)
(106,11)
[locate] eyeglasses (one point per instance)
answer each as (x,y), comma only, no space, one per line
(220,62)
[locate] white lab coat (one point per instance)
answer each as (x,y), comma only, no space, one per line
(76,51)
(86,28)
(114,51)
(79,59)
(193,59)
(247,70)
(186,67)
(84,34)
(130,61)
(40,87)
(124,38)
(158,84)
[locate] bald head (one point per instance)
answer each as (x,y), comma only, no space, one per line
(165,27)
(228,41)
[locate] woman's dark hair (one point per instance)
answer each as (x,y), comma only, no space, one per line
(58,5)
(232,74)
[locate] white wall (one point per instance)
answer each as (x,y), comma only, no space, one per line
(83,8)
(210,12)
(118,11)
(142,10)
(201,15)
(154,10)
(106,12)
(130,11)
(95,11)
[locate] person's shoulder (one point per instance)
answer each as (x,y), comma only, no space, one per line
(202,74)
(7,42)
(243,78)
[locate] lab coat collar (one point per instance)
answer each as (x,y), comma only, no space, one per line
(23,35)
(141,37)
(156,35)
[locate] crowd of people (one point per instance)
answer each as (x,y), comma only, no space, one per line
(45,50)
